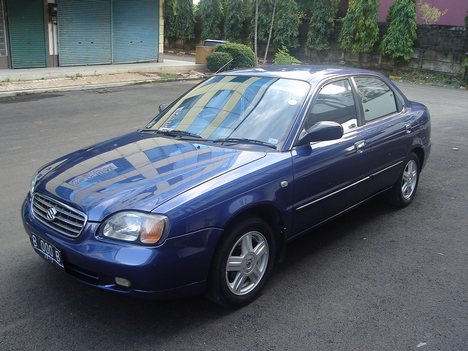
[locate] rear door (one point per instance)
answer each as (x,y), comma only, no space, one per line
(386,131)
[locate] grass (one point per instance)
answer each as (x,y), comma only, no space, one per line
(164,75)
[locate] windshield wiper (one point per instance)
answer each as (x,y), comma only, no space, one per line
(244,141)
(181,134)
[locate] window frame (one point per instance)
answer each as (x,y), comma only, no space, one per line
(396,96)
(357,102)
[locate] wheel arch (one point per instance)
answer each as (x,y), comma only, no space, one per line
(419,151)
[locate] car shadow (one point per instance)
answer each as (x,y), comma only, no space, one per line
(137,320)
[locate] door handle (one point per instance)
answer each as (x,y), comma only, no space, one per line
(358,146)
(408,128)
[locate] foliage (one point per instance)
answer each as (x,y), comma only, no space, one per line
(242,55)
(430,14)
(170,12)
(282,57)
(286,25)
(211,14)
(218,60)
(322,16)
(401,33)
(360,29)
(184,20)
(234,25)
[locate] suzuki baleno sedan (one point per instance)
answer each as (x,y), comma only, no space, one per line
(207,195)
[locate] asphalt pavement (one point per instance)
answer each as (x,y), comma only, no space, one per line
(375,279)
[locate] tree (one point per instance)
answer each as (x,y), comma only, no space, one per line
(170,13)
(285,23)
(184,20)
(401,33)
(286,27)
(360,29)
(322,17)
(430,14)
(234,25)
(211,14)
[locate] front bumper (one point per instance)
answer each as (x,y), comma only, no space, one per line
(178,267)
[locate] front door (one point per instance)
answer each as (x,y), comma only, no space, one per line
(329,176)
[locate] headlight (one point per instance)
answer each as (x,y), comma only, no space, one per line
(135,226)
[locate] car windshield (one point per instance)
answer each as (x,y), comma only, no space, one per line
(236,108)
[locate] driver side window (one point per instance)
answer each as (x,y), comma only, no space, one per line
(335,102)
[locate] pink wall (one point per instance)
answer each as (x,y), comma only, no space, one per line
(455,16)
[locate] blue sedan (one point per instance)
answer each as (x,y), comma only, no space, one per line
(207,195)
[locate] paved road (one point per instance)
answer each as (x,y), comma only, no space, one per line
(376,279)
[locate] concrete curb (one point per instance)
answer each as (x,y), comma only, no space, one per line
(90,86)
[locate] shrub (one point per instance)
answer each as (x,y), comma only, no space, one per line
(282,57)
(242,55)
(216,60)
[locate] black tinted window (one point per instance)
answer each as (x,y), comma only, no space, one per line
(335,103)
(377,98)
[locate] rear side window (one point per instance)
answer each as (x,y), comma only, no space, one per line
(377,98)
(334,102)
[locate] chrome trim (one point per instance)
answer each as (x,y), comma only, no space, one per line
(333,193)
(386,168)
(69,221)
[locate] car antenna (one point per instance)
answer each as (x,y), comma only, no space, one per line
(227,63)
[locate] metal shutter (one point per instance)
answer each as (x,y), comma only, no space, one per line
(26,32)
(135,30)
(84,31)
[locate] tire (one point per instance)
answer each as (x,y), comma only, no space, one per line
(243,263)
(404,190)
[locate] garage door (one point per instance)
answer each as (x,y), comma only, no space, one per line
(107,31)
(84,32)
(26,33)
(135,30)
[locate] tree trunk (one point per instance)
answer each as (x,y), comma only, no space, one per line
(271,31)
(256,31)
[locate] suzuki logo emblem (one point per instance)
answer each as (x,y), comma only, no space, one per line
(51,213)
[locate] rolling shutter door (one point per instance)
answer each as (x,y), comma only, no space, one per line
(84,29)
(26,32)
(135,30)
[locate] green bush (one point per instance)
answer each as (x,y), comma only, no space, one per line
(216,60)
(282,57)
(242,55)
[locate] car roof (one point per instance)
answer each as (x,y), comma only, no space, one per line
(302,72)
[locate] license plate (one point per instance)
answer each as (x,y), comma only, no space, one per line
(47,250)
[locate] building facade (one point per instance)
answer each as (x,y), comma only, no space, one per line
(50,33)
(456,10)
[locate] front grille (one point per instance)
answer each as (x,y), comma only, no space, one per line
(62,218)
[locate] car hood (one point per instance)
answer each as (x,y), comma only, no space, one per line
(136,171)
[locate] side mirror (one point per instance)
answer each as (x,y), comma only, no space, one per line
(162,107)
(321,131)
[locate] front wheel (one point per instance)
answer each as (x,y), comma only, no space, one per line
(243,263)
(404,190)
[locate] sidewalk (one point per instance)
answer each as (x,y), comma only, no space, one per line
(16,81)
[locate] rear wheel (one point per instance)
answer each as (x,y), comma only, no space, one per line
(404,190)
(243,263)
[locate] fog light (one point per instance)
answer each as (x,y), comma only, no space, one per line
(122,282)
